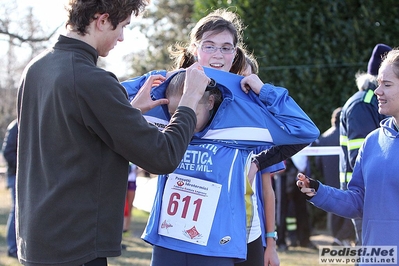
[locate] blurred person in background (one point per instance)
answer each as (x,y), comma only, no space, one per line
(130,194)
(342,229)
(10,154)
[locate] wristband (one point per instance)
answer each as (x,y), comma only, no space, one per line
(272,235)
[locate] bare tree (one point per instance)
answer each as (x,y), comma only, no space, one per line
(21,37)
(164,24)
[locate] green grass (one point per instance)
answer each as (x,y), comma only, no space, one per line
(138,253)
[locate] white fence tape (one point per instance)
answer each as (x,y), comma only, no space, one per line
(320,151)
(146,187)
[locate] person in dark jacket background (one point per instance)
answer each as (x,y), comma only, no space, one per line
(10,154)
(341,228)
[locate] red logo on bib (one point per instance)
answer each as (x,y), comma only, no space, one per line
(192,232)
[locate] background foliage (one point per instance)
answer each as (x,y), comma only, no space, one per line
(314,48)
(19,29)
(164,24)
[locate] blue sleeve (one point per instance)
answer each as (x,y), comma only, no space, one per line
(133,85)
(345,203)
(288,112)
(274,168)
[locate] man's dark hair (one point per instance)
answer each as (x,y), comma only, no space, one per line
(82,12)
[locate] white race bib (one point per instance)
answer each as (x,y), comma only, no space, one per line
(188,208)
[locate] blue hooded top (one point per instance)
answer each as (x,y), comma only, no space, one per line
(373,190)
(277,118)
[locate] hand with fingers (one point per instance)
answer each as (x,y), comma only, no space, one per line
(307,185)
(251,82)
(195,84)
(143,100)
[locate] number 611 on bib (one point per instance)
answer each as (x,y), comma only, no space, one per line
(188,208)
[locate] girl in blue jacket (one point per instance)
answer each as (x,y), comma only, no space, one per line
(373,190)
(220,149)
(243,122)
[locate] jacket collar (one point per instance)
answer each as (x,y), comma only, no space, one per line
(78,46)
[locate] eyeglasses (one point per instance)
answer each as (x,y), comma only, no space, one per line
(210,49)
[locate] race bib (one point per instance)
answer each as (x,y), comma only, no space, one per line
(188,208)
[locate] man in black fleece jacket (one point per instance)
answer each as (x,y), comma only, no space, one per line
(77,134)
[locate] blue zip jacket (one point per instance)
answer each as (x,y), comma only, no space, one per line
(277,118)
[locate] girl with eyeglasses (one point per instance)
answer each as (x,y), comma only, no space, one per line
(216,43)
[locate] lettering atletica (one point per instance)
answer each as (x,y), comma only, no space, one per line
(199,160)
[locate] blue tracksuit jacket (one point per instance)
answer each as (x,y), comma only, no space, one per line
(277,119)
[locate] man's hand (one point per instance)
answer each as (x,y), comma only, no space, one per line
(143,100)
(194,86)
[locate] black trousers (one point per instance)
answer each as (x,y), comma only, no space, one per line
(97,262)
(255,254)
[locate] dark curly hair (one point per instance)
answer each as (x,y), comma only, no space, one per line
(82,12)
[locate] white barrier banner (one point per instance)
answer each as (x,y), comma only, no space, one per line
(320,151)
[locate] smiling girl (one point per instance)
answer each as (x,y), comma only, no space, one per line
(373,189)
(215,43)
